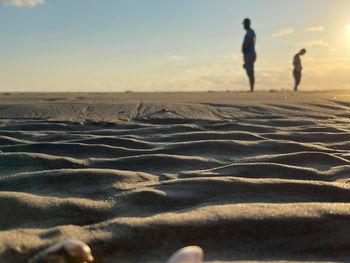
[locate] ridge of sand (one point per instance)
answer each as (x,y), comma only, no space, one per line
(260,177)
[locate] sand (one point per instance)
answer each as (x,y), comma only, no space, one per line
(248,177)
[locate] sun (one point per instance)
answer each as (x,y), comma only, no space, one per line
(348,27)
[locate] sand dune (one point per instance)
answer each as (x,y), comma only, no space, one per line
(248,177)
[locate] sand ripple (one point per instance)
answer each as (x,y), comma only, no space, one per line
(263,182)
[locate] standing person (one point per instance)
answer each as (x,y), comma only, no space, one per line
(249,53)
(298,68)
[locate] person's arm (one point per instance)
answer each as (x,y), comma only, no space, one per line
(249,43)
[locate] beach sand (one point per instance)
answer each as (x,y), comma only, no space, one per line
(248,177)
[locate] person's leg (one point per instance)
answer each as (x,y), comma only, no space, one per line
(297,77)
(251,77)
(252,73)
(249,67)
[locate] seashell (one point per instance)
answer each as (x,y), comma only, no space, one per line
(69,251)
(192,254)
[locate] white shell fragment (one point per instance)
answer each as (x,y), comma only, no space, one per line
(69,251)
(191,254)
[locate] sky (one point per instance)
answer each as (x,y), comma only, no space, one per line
(167,45)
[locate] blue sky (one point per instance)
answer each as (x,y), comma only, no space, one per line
(164,45)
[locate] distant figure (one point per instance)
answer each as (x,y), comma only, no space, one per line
(298,68)
(249,53)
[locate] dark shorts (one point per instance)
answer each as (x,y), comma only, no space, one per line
(249,60)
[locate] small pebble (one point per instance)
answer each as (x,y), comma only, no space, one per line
(69,251)
(192,254)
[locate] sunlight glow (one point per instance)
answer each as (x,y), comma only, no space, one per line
(348,27)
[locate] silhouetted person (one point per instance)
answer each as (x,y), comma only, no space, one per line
(249,53)
(297,68)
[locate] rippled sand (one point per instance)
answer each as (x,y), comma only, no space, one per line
(248,177)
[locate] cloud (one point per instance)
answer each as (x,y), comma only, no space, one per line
(283,32)
(307,58)
(176,58)
(318,74)
(321,43)
(22,3)
(234,57)
(315,29)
